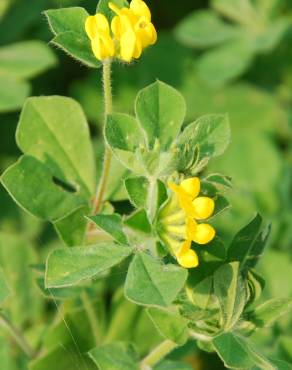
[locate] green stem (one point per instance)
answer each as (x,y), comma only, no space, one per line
(157,354)
(91,316)
(100,191)
(17,336)
(108,107)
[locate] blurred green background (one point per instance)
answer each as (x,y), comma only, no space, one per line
(224,58)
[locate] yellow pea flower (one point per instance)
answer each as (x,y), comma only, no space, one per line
(98,30)
(132,29)
(130,32)
(178,221)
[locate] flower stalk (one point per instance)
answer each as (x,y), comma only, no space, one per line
(108,107)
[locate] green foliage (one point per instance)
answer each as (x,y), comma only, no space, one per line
(115,297)
(50,158)
(66,267)
(253,30)
(160,111)
(18,63)
(170,324)
(146,284)
(67,25)
(115,356)
(270,311)
(230,292)
(111,224)
(4,288)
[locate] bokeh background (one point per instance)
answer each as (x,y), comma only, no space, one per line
(224,58)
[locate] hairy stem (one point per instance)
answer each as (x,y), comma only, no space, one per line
(157,354)
(17,336)
(108,106)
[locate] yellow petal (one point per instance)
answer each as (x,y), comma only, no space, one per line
(204,207)
(90,27)
(204,234)
(191,186)
(138,49)
(127,45)
(103,47)
(188,259)
(191,228)
(116,27)
(101,23)
(140,9)
(184,247)
(187,205)
(153,38)
(97,49)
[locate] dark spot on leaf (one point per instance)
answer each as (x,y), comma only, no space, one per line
(64,185)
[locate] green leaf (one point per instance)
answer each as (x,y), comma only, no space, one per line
(172,365)
(160,110)
(257,248)
(240,11)
(71,229)
(16,258)
(69,266)
(4,287)
(68,26)
(137,189)
(171,325)
(126,138)
(280,365)
(211,133)
(57,160)
(237,353)
(268,312)
(272,36)
(25,59)
(62,357)
(23,181)
(256,286)
(112,225)
(230,291)
(224,63)
(139,221)
(14,94)
(66,19)
(115,356)
(211,258)
(221,205)
(200,294)
(204,28)
(219,181)
(151,283)
(246,243)
(78,47)
(102,7)
(123,132)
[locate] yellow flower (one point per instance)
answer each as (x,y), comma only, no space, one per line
(132,29)
(130,33)
(98,30)
(178,221)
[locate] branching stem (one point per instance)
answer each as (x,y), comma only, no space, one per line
(157,354)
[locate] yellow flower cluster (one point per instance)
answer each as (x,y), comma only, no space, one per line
(178,220)
(129,33)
